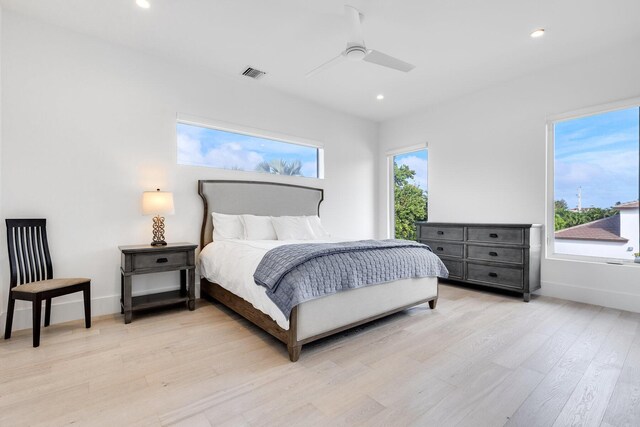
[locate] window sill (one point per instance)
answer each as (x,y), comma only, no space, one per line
(592,260)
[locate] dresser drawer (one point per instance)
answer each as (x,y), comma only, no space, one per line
(489,253)
(441,233)
(503,276)
(495,235)
(455,268)
(154,260)
(446,249)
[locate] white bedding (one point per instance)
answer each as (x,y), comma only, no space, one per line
(231,264)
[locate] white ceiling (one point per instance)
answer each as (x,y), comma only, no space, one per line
(457,46)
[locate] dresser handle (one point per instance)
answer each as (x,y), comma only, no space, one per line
(493,235)
(493,274)
(440,232)
(162,260)
(440,248)
(493,253)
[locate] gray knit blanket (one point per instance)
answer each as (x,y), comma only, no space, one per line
(297,273)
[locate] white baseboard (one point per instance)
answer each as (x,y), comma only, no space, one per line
(602,297)
(70,310)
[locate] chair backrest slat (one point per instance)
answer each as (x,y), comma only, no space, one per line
(22,261)
(29,257)
(47,272)
(32,246)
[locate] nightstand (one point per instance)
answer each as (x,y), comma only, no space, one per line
(144,259)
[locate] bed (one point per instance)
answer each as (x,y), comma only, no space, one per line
(310,320)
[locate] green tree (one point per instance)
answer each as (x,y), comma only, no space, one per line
(281,167)
(410,202)
(561,205)
(565,218)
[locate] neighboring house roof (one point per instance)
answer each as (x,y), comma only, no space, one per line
(605,229)
(628,205)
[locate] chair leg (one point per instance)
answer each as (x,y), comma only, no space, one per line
(87,306)
(37,316)
(9,320)
(47,312)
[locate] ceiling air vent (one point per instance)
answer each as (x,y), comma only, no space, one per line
(253,73)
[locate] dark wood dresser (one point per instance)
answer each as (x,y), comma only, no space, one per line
(505,256)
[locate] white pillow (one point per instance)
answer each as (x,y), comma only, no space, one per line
(227,226)
(292,228)
(258,228)
(316,226)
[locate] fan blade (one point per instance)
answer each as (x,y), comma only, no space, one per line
(385,60)
(328,64)
(354,25)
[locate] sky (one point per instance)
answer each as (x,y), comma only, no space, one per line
(198,146)
(600,154)
(417,161)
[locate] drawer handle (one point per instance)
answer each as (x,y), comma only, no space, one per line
(440,248)
(162,260)
(493,253)
(493,235)
(493,274)
(440,232)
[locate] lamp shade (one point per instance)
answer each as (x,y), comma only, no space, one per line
(157,203)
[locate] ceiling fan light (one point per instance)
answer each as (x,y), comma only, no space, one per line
(380,97)
(355,53)
(143,4)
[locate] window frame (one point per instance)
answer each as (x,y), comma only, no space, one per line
(550,184)
(391,215)
(222,126)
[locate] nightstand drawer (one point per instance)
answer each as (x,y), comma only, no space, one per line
(495,235)
(446,249)
(441,233)
(489,253)
(503,276)
(144,261)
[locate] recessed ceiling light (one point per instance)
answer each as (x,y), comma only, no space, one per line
(143,4)
(538,33)
(380,97)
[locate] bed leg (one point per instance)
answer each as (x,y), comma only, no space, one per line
(292,344)
(432,303)
(294,352)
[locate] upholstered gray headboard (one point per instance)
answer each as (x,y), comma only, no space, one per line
(256,198)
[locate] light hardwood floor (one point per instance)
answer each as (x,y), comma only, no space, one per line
(479,359)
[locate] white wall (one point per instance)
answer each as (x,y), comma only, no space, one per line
(487,163)
(604,249)
(630,227)
(90,125)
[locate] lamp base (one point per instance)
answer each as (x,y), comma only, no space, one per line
(158,231)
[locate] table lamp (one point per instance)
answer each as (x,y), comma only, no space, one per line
(157,203)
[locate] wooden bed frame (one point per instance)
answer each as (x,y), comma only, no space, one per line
(216,293)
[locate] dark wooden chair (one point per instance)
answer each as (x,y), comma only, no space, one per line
(32,274)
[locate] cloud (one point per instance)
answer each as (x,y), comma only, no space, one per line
(418,165)
(189,150)
(605,177)
(575,144)
(229,155)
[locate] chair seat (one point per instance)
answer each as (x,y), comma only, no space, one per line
(47,285)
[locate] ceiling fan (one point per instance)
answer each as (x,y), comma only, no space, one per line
(357,51)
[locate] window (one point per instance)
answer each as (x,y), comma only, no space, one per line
(596,182)
(410,197)
(215,148)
